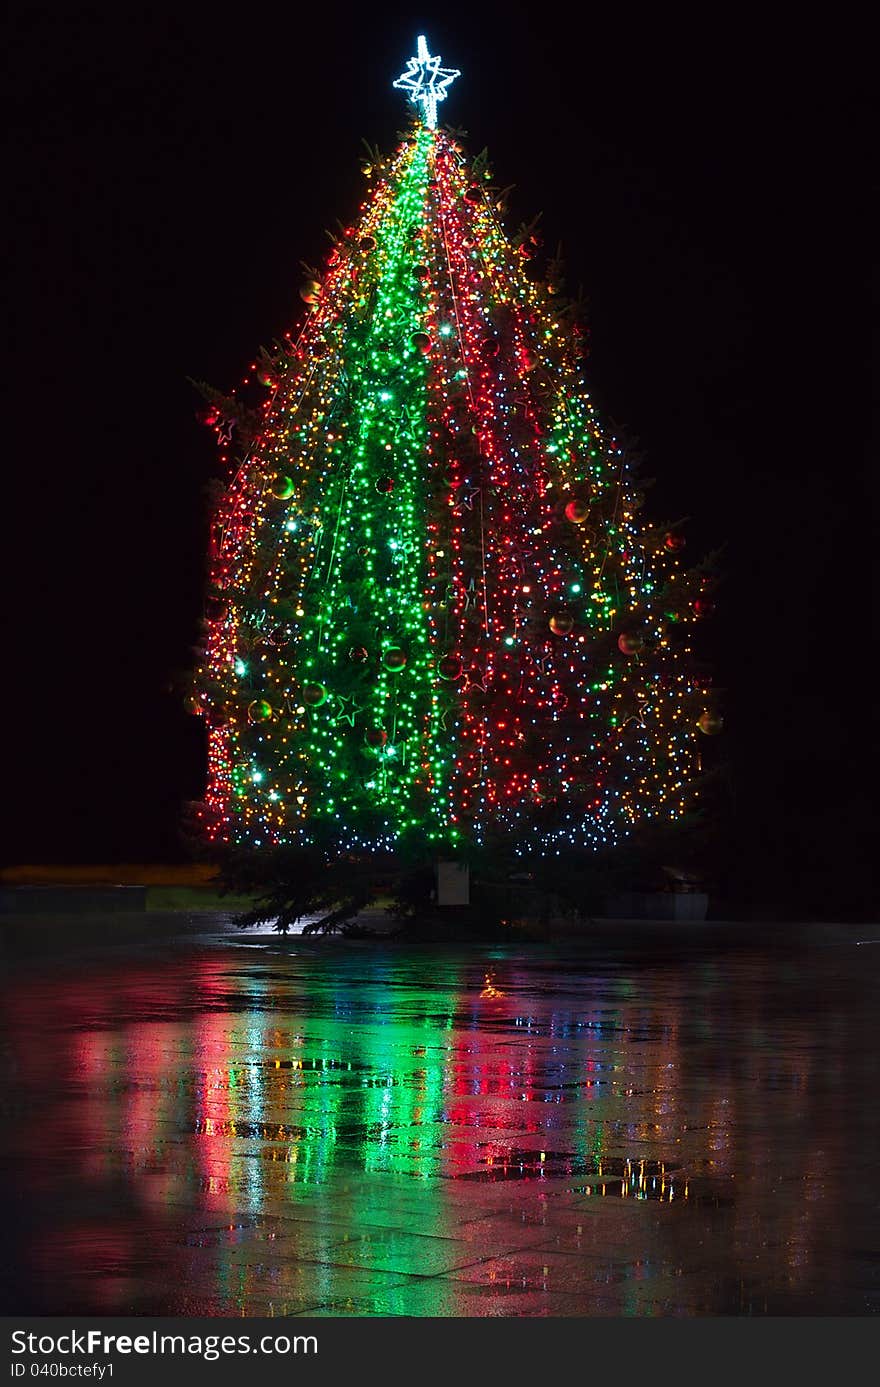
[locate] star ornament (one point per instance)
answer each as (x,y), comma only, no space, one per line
(426,82)
(466,503)
(348,709)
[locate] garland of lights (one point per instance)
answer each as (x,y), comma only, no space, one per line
(433,609)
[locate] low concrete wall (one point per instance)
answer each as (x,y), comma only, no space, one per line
(657,905)
(72,900)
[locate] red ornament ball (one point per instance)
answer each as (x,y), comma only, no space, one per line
(282,487)
(394,659)
(449,667)
(259,710)
(358,654)
(216,609)
(367,243)
(674,542)
(577,512)
(422,342)
(375,736)
(314,695)
(709,723)
(629,643)
(561,623)
(704,606)
(474,193)
(385,485)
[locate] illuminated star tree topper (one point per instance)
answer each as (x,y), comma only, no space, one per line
(426,82)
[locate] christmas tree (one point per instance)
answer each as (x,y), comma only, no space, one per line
(435,611)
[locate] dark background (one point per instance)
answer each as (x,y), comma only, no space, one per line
(170,167)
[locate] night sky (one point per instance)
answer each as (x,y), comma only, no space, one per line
(169,169)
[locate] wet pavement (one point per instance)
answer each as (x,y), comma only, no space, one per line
(225,1128)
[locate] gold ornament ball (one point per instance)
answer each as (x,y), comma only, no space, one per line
(577,512)
(710,724)
(630,644)
(310,292)
(259,710)
(282,487)
(561,623)
(314,695)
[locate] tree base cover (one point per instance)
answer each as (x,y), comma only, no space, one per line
(335,892)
